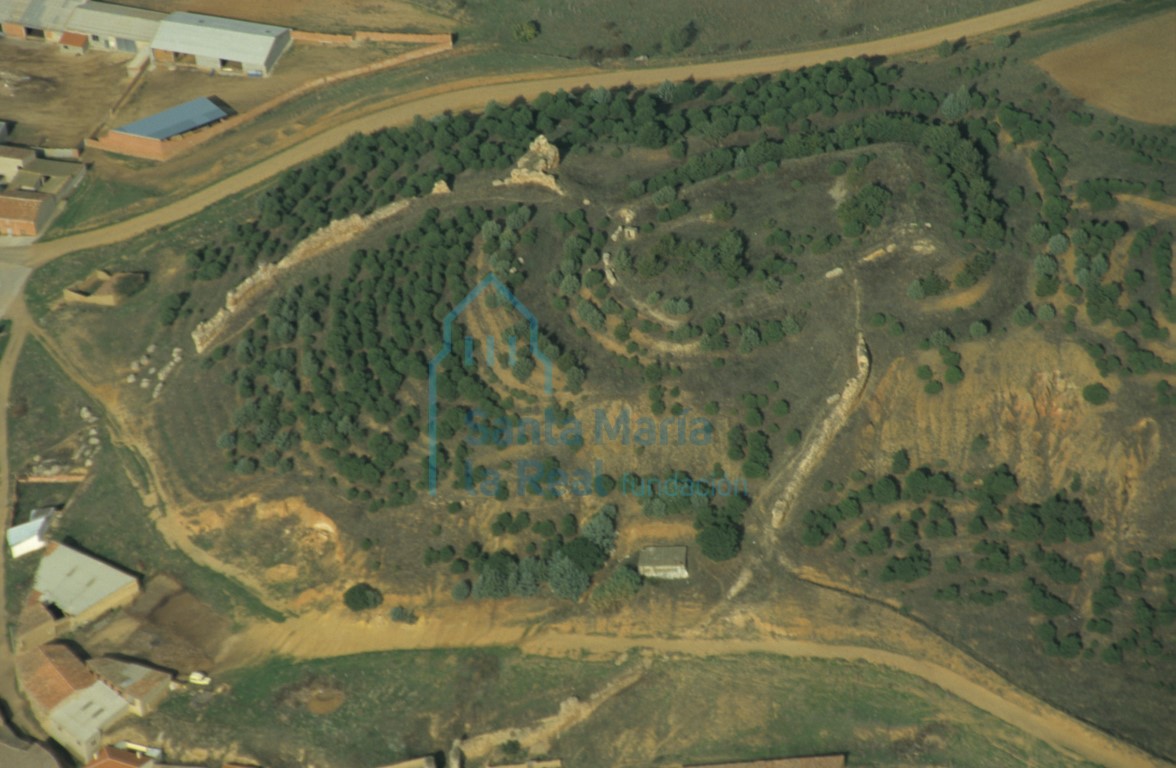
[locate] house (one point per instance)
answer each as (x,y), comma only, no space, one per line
(81,587)
(30,187)
(51,177)
(73,706)
(148,137)
(817,761)
(30,536)
(36,19)
(110,757)
(116,27)
(24,214)
(218,44)
(143,687)
(12,159)
(663,563)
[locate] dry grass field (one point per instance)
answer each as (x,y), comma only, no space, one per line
(1129,72)
(337,16)
(165,87)
(54,98)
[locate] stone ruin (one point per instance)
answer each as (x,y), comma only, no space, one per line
(536,166)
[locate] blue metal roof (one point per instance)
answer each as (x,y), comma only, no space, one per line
(177,120)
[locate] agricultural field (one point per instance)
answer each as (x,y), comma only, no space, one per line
(885,343)
(1118,72)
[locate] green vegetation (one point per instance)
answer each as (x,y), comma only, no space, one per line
(363,597)
(268,715)
(106,517)
(5,335)
(840,699)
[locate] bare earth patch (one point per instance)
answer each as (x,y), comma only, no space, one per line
(1129,72)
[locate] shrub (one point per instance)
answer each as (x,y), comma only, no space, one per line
(616,590)
(526,31)
(363,597)
(1096,394)
(720,541)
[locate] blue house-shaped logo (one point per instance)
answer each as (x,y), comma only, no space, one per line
(492,283)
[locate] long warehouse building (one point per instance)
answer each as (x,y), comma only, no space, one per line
(116,27)
(217,44)
(36,19)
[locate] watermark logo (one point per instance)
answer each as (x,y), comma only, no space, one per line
(617,427)
(495,286)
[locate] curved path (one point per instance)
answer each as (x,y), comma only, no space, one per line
(990,694)
(303,638)
(473,94)
(982,689)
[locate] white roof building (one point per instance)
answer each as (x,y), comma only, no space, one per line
(29,537)
(212,42)
(116,26)
(49,15)
(83,717)
(659,562)
(78,584)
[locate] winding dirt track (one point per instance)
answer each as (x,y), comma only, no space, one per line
(982,689)
(475,93)
(303,637)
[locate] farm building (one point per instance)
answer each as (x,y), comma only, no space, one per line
(12,159)
(30,187)
(71,703)
(24,214)
(147,138)
(29,537)
(220,45)
(111,757)
(36,19)
(663,563)
(82,587)
(141,686)
(116,27)
(74,42)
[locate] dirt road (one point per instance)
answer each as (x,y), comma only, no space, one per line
(308,636)
(473,94)
(18,334)
(451,627)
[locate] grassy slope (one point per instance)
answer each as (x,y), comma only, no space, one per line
(691,710)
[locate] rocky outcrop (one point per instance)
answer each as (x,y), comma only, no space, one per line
(535,167)
(329,237)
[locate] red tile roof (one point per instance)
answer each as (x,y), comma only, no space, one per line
(50,674)
(109,757)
